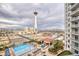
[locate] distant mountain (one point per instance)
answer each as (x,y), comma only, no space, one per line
(52,30)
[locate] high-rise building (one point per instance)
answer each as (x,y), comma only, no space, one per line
(72,27)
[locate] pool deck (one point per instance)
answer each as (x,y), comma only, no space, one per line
(38,53)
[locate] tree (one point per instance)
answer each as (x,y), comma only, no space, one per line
(2,47)
(65,53)
(58,45)
(52,50)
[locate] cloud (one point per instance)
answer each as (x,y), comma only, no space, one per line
(49,14)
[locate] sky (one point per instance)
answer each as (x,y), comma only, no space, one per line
(20,15)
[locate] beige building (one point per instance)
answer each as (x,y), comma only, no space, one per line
(12,36)
(26,31)
(5,36)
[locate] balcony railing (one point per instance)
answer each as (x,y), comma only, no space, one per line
(75,13)
(75,18)
(74,6)
(75,47)
(75,39)
(73,32)
(75,25)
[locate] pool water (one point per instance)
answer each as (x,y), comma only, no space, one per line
(23,48)
(7,52)
(42,45)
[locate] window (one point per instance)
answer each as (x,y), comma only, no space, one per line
(68,9)
(76,22)
(76,44)
(68,30)
(68,46)
(68,19)
(68,25)
(69,41)
(76,30)
(68,35)
(68,14)
(76,51)
(76,37)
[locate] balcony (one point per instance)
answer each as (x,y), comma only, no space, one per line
(75,25)
(75,13)
(74,38)
(76,48)
(73,45)
(74,6)
(75,32)
(75,19)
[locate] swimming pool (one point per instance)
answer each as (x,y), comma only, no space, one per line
(22,48)
(7,52)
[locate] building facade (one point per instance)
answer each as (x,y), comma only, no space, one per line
(72,27)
